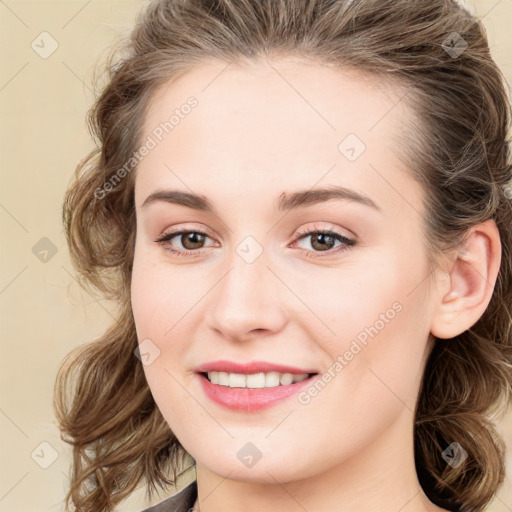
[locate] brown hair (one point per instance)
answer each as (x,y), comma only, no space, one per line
(458,150)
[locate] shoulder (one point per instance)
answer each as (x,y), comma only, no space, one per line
(182,501)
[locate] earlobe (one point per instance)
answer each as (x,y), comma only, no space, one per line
(471,282)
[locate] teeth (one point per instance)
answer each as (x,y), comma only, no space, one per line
(272,379)
(236,380)
(254,380)
(222,378)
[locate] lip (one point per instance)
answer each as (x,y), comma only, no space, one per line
(250,400)
(251,367)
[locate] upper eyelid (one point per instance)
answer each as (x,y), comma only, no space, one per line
(298,233)
(330,227)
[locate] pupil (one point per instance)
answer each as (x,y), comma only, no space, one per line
(194,239)
(321,237)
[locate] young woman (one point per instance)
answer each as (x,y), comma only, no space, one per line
(303,209)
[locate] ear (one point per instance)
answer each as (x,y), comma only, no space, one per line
(468,282)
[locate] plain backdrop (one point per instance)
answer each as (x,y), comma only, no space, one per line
(48,51)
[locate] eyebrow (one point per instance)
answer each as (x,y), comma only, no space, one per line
(285,203)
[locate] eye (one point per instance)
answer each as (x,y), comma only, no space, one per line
(323,240)
(192,241)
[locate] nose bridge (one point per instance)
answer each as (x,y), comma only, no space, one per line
(247,298)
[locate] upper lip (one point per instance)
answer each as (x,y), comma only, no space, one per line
(250,368)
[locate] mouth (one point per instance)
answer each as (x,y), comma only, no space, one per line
(246,393)
(258,380)
(252,386)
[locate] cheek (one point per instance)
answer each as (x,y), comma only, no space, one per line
(156,309)
(363,299)
(378,318)
(152,312)
(166,308)
(144,298)
(155,293)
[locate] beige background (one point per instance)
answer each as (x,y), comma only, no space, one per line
(45,314)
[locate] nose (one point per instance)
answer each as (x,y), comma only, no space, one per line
(248,300)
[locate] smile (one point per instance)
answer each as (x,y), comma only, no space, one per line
(244,393)
(255,380)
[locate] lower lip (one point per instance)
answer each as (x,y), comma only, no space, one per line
(249,400)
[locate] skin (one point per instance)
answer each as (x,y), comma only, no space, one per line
(252,137)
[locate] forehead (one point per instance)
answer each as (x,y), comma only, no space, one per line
(271,125)
(306,98)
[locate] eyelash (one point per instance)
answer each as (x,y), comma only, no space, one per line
(348,242)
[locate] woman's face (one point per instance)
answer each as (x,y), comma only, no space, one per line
(256,284)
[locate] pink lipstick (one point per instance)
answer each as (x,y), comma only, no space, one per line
(248,399)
